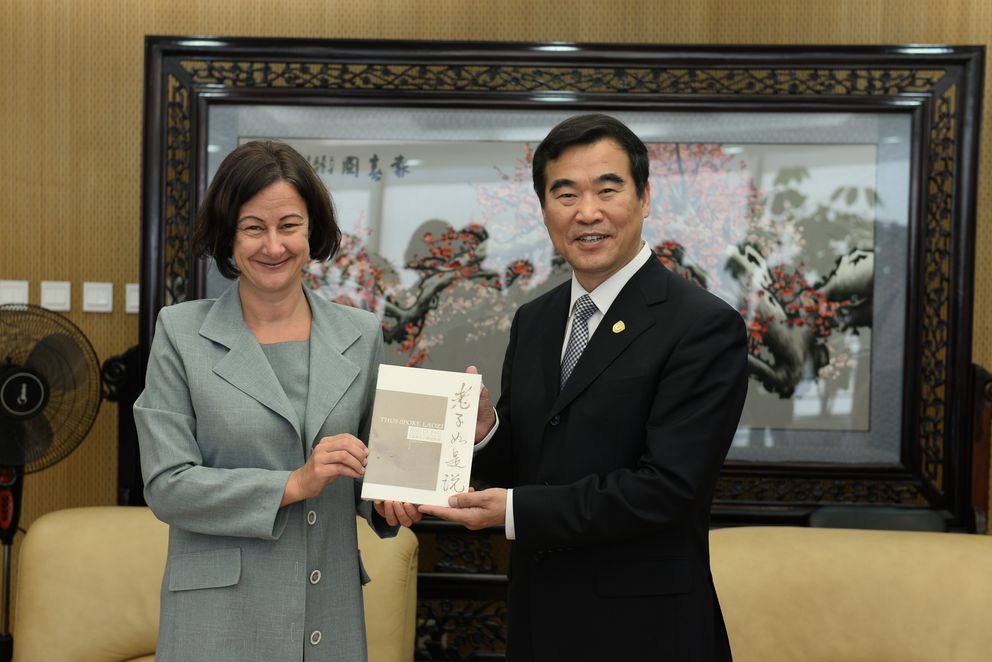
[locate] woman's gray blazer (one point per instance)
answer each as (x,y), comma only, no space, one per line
(246,579)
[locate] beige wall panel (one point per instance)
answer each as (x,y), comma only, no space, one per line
(71,96)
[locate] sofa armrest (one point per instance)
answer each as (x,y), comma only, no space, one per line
(88,585)
(821,595)
(89,581)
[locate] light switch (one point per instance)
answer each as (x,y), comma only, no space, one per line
(13,291)
(98,297)
(132,296)
(56,294)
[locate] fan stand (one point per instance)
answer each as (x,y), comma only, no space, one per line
(6,638)
(11,481)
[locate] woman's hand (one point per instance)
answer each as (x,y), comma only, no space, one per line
(398,512)
(340,455)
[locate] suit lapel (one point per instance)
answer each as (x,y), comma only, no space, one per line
(244,366)
(648,287)
(331,373)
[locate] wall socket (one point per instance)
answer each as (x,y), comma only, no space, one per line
(13,291)
(98,297)
(132,297)
(56,295)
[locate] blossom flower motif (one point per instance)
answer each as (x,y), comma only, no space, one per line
(703,199)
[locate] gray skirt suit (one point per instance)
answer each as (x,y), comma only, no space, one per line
(219,436)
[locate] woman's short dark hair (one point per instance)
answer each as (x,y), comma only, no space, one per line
(586,130)
(241,175)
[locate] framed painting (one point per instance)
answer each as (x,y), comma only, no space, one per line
(828,195)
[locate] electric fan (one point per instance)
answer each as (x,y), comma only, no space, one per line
(50,392)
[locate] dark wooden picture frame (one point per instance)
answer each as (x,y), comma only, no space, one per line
(939,88)
(460,608)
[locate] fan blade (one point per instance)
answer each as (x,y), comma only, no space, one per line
(37,438)
(23,442)
(60,361)
(12,441)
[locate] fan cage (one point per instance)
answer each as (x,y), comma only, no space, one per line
(70,412)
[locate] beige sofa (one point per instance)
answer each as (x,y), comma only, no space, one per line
(842,595)
(88,588)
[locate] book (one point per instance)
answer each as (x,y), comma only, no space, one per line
(422,435)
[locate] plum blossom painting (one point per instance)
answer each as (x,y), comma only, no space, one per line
(785,234)
(443,239)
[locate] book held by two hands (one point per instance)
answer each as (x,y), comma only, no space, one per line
(422,435)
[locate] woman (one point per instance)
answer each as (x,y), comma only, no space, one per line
(250,430)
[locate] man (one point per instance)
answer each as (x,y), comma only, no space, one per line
(610,447)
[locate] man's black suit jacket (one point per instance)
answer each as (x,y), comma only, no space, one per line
(613,476)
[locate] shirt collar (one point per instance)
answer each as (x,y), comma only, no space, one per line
(604,295)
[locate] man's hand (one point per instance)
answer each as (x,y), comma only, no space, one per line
(486,419)
(340,455)
(474,510)
(398,512)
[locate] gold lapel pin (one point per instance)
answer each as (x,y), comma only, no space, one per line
(619,327)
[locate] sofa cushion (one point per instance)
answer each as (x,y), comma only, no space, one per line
(89,581)
(88,585)
(822,595)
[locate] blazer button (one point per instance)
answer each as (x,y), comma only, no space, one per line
(315,637)
(312,517)
(315,576)
(555,419)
